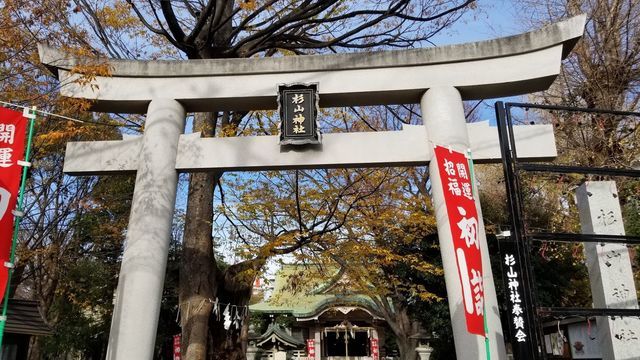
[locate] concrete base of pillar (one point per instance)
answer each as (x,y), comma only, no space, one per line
(253,353)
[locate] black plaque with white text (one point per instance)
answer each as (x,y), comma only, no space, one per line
(298,104)
(519,312)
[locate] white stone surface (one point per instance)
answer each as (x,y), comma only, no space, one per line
(610,272)
(141,280)
(424,353)
(366,149)
(443,116)
(97,157)
(501,67)
(523,73)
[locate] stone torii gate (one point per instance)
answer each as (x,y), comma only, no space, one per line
(438,78)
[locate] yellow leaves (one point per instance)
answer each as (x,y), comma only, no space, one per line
(118,16)
(50,138)
(228,130)
(286,52)
(89,72)
(428,296)
(248,5)
(54,139)
(72,106)
(52,134)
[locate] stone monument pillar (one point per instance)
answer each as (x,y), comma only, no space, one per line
(443,116)
(135,316)
(424,352)
(610,273)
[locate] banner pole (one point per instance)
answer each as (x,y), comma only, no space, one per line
(473,187)
(31,115)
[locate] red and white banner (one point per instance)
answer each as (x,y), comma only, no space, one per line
(176,346)
(12,137)
(311,348)
(463,221)
(375,349)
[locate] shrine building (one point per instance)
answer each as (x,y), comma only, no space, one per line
(331,322)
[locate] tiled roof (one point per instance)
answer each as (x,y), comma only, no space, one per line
(275,332)
(310,302)
(23,317)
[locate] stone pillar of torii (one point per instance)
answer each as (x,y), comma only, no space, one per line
(438,78)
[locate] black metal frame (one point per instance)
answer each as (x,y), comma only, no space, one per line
(512,173)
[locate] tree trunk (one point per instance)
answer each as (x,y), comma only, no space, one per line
(201,281)
(35,348)
(405,328)
(401,325)
(234,288)
(407,348)
(198,266)
(227,344)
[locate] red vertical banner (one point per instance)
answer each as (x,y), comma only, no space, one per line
(453,168)
(176,346)
(12,138)
(375,349)
(311,349)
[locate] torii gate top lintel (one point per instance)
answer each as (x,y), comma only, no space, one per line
(505,66)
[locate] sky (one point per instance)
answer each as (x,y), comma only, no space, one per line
(492,19)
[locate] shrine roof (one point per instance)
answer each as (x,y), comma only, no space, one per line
(311,300)
(276,333)
(24,317)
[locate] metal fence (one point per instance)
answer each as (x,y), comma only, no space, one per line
(523,237)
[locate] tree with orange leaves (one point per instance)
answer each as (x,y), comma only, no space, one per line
(227,29)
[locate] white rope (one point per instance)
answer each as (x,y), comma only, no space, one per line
(43,112)
(46,113)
